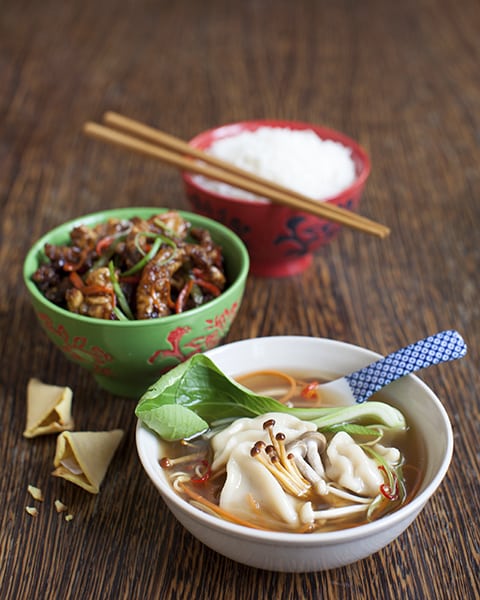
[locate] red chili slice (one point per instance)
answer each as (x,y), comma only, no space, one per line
(102,244)
(310,390)
(386,490)
(76,280)
(207,285)
(206,476)
(183,296)
(71,267)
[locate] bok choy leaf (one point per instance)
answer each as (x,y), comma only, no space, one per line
(187,400)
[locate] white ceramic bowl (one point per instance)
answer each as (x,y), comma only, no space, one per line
(293,552)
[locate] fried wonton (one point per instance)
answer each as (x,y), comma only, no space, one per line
(83,457)
(48,409)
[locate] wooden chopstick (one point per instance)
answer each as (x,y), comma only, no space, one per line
(173,151)
(169,141)
(324,210)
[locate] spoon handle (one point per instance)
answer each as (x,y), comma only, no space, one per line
(435,349)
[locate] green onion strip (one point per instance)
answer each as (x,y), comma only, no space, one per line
(120,295)
(164,228)
(119,314)
(158,240)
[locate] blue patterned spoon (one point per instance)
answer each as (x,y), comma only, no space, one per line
(360,385)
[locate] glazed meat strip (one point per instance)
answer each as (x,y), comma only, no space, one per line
(207,256)
(155,286)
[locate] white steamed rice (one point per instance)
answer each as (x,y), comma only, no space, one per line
(297,159)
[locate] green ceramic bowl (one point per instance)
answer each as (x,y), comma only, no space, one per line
(125,357)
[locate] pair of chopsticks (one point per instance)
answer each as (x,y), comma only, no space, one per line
(133,135)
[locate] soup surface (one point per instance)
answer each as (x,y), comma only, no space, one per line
(279,473)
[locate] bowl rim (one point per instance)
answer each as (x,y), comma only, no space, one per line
(311,539)
(251,125)
(101,215)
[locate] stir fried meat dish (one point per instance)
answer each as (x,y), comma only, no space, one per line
(133,269)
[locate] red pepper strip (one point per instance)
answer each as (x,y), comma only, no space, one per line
(88,290)
(68,266)
(183,296)
(91,290)
(76,280)
(206,476)
(386,490)
(310,390)
(102,244)
(207,285)
(198,272)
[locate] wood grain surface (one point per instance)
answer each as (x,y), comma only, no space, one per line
(400,77)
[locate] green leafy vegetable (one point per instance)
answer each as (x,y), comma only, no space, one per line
(188,399)
(171,421)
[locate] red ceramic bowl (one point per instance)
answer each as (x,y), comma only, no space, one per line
(280,240)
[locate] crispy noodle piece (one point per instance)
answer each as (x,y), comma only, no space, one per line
(35,492)
(83,457)
(48,409)
(60,506)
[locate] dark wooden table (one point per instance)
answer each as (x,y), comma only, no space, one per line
(403,79)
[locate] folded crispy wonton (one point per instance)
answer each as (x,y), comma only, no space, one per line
(48,409)
(83,457)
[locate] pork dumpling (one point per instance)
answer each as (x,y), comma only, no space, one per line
(349,466)
(250,430)
(48,409)
(250,490)
(83,457)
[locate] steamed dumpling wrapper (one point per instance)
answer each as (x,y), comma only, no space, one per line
(48,409)
(250,430)
(249,486)
(83,457)
(350,467)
